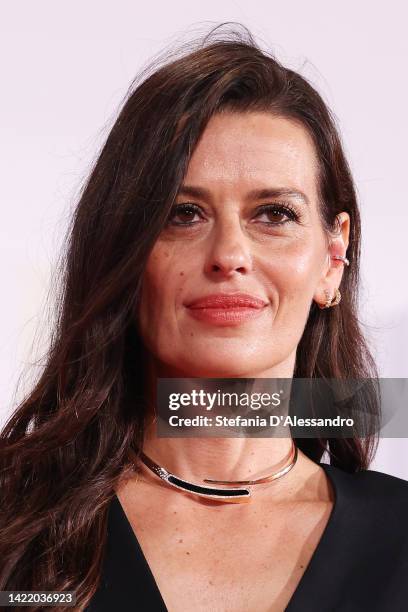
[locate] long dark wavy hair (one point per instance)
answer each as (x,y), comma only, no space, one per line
(65,446)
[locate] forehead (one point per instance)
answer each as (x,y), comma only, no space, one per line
(254,148)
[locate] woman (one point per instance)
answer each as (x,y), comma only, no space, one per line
(223,175)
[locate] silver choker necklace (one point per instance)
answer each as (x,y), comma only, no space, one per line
(234,495)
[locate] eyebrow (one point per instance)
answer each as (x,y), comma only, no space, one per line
(255,194)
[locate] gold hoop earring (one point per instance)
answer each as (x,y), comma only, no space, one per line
(331,300)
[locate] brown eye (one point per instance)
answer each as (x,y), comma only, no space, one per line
(185,214)
(277,214)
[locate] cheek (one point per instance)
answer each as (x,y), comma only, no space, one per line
(301,271)
(294,269)
(163,282)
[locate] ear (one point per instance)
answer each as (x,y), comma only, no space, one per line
(333,270)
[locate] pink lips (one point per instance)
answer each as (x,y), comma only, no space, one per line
(226,308)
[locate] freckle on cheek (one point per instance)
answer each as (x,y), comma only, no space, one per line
(181,273)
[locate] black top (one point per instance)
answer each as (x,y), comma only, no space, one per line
(359,565)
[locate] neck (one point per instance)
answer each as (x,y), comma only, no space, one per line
(194,459)
(218,458)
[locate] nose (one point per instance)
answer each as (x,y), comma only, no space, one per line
(229,250)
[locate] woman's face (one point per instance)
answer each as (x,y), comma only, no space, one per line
(245,221)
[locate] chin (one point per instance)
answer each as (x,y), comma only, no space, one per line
(219,368)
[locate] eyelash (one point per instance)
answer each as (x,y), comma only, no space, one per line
(267,208)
